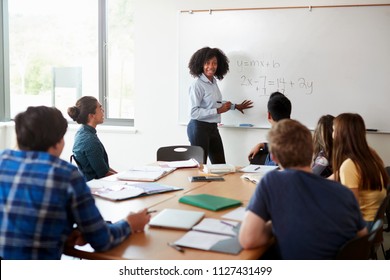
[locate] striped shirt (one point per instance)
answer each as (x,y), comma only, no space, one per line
(204,98)
(42,197)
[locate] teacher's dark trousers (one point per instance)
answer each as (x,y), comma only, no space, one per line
(207,136)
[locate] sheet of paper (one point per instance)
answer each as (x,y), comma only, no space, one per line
(252,177)
(237,214)
(200,240)
(254,168)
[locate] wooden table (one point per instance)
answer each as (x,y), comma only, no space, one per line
(152,243)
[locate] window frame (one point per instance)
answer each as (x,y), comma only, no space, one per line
(5,103)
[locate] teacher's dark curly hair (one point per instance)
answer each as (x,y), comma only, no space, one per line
(200,57)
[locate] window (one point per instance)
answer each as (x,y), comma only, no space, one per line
(60,50)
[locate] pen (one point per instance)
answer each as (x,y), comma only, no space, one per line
(177,248)
(219,101)
(257,168)
(226,223)
(151,211)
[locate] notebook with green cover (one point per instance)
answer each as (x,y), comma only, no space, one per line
(210,202)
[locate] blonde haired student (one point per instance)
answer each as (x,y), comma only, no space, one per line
(358,166)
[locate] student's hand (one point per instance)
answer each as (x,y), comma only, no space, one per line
(138,220)
(75,238)
(224,107)
(246,104)
(255,150)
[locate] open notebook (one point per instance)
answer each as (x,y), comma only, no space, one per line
(213,235)
(254,173)
(114,190)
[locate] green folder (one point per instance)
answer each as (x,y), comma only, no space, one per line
(210,202)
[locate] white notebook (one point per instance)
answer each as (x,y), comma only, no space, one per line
(176,219)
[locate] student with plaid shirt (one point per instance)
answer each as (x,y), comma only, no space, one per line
(43,197)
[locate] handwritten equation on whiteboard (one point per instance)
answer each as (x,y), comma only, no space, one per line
(266,85)
(267,80)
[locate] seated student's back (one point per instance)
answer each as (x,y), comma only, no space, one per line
(310,216)
(357,165)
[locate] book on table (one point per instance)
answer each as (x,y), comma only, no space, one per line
(213,235)
(209,202)
(176,219)
(120,190)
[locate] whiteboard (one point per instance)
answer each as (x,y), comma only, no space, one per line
(326,61)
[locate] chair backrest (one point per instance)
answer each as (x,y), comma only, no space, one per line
(73,158)
(388,170)
(380,214)
(259,158)
(359,248)
(174,153)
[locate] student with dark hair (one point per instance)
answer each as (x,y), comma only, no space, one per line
(323,144)
(310,217)
(43,197)
(90,154)
(356,165)
(279,108)
(207,65)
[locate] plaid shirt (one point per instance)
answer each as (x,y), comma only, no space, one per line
(41,198)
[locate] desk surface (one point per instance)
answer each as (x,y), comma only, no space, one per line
(152,243)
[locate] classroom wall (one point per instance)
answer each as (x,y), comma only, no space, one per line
(156,86)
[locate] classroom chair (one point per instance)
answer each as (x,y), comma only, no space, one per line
(73,158)
(259,158)
(175,153)
(359,248)
(380,215)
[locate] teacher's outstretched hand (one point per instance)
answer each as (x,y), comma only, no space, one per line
(246,104)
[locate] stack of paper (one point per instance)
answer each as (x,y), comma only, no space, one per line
(179,163)
(145,173)
(219,168)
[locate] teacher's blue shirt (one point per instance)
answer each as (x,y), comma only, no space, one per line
(204,95)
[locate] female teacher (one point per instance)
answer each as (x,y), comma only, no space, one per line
(206,102)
